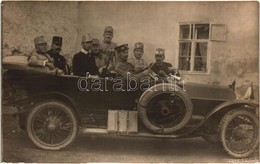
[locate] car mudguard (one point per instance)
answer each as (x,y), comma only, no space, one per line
(233,104)
(25,104)
(229,105)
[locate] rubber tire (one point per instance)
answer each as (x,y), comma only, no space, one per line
(222,128)
(143,116)
(67,110)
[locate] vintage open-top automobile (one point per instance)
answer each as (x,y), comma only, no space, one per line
(58,107)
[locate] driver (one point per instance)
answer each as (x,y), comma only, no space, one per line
(160,67)
(123,67)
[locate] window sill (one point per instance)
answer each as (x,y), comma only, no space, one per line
(194,73)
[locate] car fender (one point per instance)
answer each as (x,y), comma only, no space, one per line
(24,105)
(233,104)
(229,105)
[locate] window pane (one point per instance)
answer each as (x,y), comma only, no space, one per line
(200,61)
(184,48)
(184,63)
(202,31)
(184,55)
(200,64)
(184,31)
(201,49)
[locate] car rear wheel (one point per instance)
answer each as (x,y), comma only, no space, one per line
(238,131)
(52,125)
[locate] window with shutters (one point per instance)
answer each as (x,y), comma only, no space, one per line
(194,42)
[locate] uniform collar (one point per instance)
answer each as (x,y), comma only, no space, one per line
(84,51)
(159,64)
(109,42)
(137,59)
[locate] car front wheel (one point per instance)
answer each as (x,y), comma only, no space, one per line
(238,131)
(52,125)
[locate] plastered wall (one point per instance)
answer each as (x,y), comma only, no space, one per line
(23,21)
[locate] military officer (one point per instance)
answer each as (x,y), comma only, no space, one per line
(123,67)
(40,58)
(160,67)
(100,58)
(107,46)
(84,61)
(137,61)
(59,60)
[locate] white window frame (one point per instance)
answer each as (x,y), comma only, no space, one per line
(193,46)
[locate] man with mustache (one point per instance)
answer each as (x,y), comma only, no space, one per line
(84,61)
(40,58)
(124,68)
(160,67)
(59,60)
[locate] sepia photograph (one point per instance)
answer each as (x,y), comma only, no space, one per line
(130,81)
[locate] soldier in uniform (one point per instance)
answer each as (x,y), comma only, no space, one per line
(40,58)
(160,67)
(137,61)
(107,46)
(100,58)
(84,61)
(59,60)
(123,67)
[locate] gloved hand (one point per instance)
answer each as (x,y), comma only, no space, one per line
(162,73)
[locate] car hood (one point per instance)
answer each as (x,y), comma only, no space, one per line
(209,92)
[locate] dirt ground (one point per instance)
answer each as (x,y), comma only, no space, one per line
(16,147)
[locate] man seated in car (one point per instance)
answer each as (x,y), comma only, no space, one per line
(40,58)
(84,61)
(123,67)
(160,67)
(137,60)
(59,60)
(103,61)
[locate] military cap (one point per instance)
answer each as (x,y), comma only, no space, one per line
(159,51)
(39,40)
(57,40)
(139,45)
(95,41)
(86,38)
(109,29)
(122,47)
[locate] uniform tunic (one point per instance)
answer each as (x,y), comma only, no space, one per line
(164,67)
(40,60)
(106,48)
(59,61)
(84,62)
(139,64)
(101,60)
(123,68)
